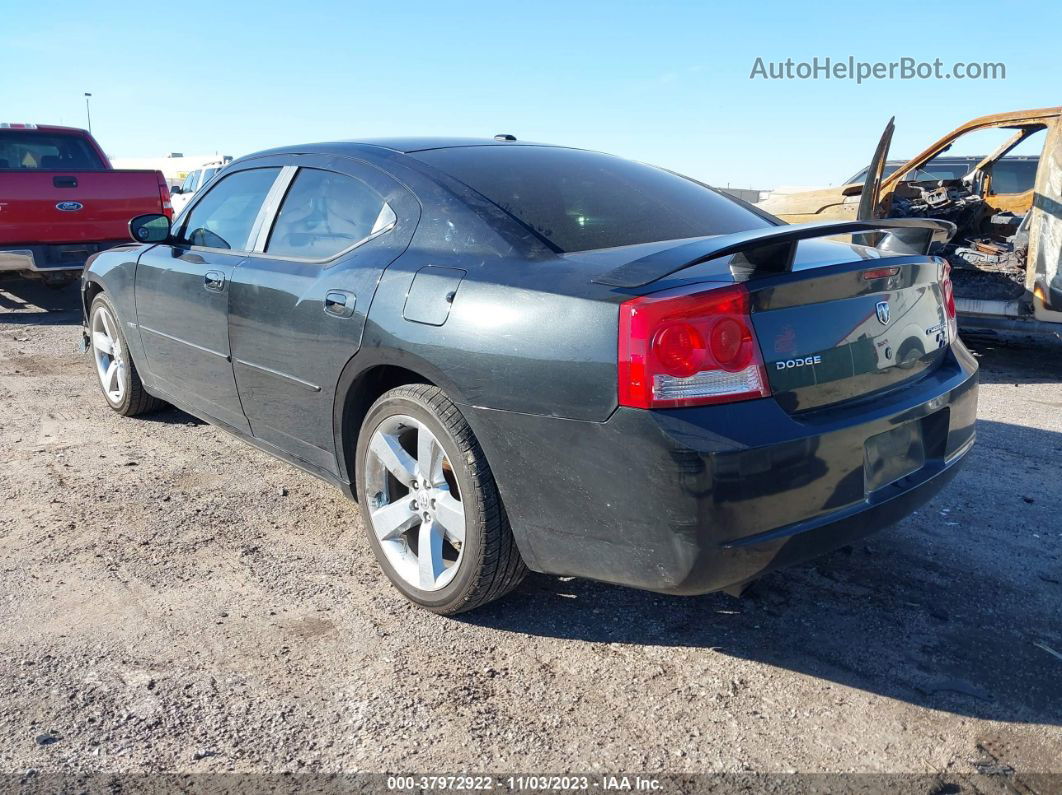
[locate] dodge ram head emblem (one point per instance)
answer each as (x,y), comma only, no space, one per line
(69,207)
(882,308)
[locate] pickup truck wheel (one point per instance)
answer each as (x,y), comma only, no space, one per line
(115,369)
(430,505)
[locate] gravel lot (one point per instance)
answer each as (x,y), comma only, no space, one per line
(173,599)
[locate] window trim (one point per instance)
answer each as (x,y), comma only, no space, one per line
(201,194)
(267,214)
(273,203)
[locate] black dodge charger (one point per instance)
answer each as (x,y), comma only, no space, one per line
(518,356)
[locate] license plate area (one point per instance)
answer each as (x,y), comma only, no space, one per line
(892,455)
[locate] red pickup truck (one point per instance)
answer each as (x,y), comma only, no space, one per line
(61,201)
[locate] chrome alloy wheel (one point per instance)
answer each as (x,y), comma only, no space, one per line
(110,358)
(414,503)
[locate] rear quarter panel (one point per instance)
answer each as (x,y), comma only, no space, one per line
(503,346)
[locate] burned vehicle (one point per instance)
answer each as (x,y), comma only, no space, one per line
(1006,251)
(1016,173)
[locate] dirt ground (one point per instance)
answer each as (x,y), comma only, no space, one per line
(173,599)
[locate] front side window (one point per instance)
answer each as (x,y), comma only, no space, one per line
(189,182)
(224,216)
(580,200)
(325,213)
(975,145)
(28,149)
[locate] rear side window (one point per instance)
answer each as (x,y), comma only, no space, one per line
(1013,176)
(584,200)
(189,182)
(325,213)
(861,177)
(49,151)
(936,170)
(223,218)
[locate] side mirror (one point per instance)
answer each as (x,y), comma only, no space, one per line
(152,228)
(174,190)
(852,190)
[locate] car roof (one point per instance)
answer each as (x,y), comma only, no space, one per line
(420,144)
(48,128)
(397,145)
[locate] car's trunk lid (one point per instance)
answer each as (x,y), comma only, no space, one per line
(839,327)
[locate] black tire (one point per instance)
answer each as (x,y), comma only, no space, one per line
(490,563)
(135,399)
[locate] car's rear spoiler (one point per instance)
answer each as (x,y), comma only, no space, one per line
(774,248)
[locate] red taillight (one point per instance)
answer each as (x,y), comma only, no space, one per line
(164,196)
(947,290)
(680,349)
(689,347)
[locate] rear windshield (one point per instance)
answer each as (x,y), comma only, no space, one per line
(26,149)
(584,200)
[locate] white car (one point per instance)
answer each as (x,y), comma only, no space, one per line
(192,183)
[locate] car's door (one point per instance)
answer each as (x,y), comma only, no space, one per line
(300,298)
(182,295)
(869,207)
(1044,271)
(1007,185)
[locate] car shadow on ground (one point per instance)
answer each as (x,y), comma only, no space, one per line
(170,416)
(1016,359)
(956,609)
(30,302)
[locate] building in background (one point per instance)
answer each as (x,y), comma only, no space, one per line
(174,166)
(750,195)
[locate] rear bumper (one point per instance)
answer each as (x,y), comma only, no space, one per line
(60,258)
(689,501)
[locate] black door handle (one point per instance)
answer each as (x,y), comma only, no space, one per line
(64,182)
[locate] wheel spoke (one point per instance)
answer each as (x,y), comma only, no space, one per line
(111,377)
(102,343)
(398,462)
(105,318)
(392,520)
(451,515)
(428,453)
(429,554)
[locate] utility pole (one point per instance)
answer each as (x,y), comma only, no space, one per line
(88,113)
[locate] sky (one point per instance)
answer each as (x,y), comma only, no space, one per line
(666,83)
